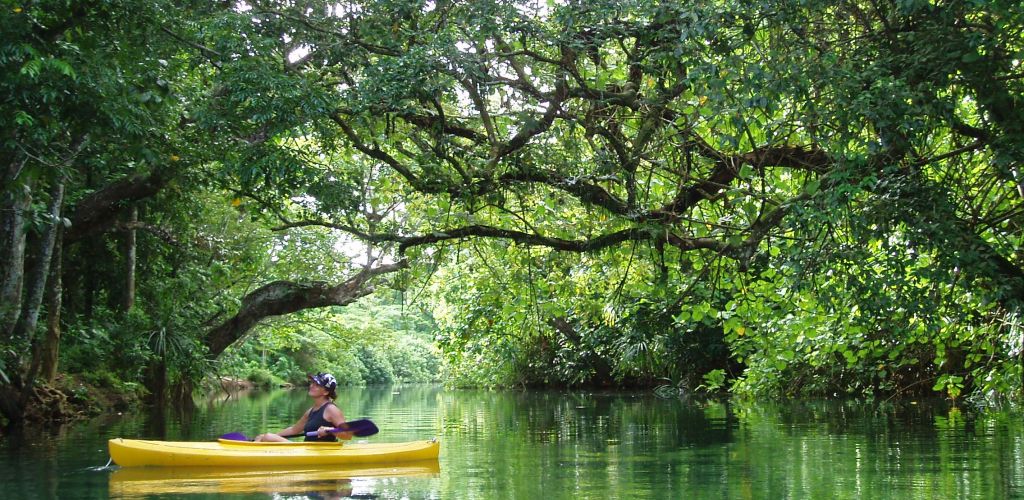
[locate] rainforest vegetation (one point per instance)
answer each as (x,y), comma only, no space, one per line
(764,197)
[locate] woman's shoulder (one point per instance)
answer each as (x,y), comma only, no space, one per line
(324,407)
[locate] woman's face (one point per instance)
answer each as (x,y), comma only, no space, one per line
(317,390)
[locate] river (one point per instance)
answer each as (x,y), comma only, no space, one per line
(560,445)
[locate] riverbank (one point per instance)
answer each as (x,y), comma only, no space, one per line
(77,396)
(73,397)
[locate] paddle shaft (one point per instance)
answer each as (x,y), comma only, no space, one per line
(358,428)
(332,430)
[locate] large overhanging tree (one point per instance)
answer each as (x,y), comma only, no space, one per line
(702,130)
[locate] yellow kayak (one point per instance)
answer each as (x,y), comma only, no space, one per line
(228,453)
(148,481)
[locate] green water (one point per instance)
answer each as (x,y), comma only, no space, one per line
(555,445)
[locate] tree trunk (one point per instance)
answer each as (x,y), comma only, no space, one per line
(284,297)
(128,298)
(36,286)
(156,381)
(50,348)
(14,202)
(40,268)
(91,249)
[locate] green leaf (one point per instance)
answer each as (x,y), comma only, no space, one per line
(24,119)
(31,68)
(811,187)
(63,67)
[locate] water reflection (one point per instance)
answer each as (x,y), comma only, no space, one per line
(316,482)
(580,444)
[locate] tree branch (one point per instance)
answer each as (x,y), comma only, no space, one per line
(97,211)
(286,297)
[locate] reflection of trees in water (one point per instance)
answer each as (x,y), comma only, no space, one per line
(155,419)
(375,398)
(592,419)
(912,425)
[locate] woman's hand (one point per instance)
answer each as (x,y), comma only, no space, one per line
(269,437)
(324,430)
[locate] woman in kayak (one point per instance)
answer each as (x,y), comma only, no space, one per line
(321,417)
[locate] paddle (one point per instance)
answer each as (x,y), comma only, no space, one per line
(359,428)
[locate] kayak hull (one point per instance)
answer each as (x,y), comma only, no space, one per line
(227,453)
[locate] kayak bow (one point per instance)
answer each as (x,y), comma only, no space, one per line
(223,453)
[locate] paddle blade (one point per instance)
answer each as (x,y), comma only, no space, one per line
(235,436)
(359,428)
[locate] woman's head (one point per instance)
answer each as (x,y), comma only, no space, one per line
(327,382)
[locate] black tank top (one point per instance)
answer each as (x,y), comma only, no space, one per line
(315,420)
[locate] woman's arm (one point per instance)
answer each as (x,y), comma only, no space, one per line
(334,415)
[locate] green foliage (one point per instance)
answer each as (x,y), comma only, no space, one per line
(414,360)
(376,367)
(521,331)
(376,341)
(780,198)
(345,365)
(107,380)
(714,380)
(264,378)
